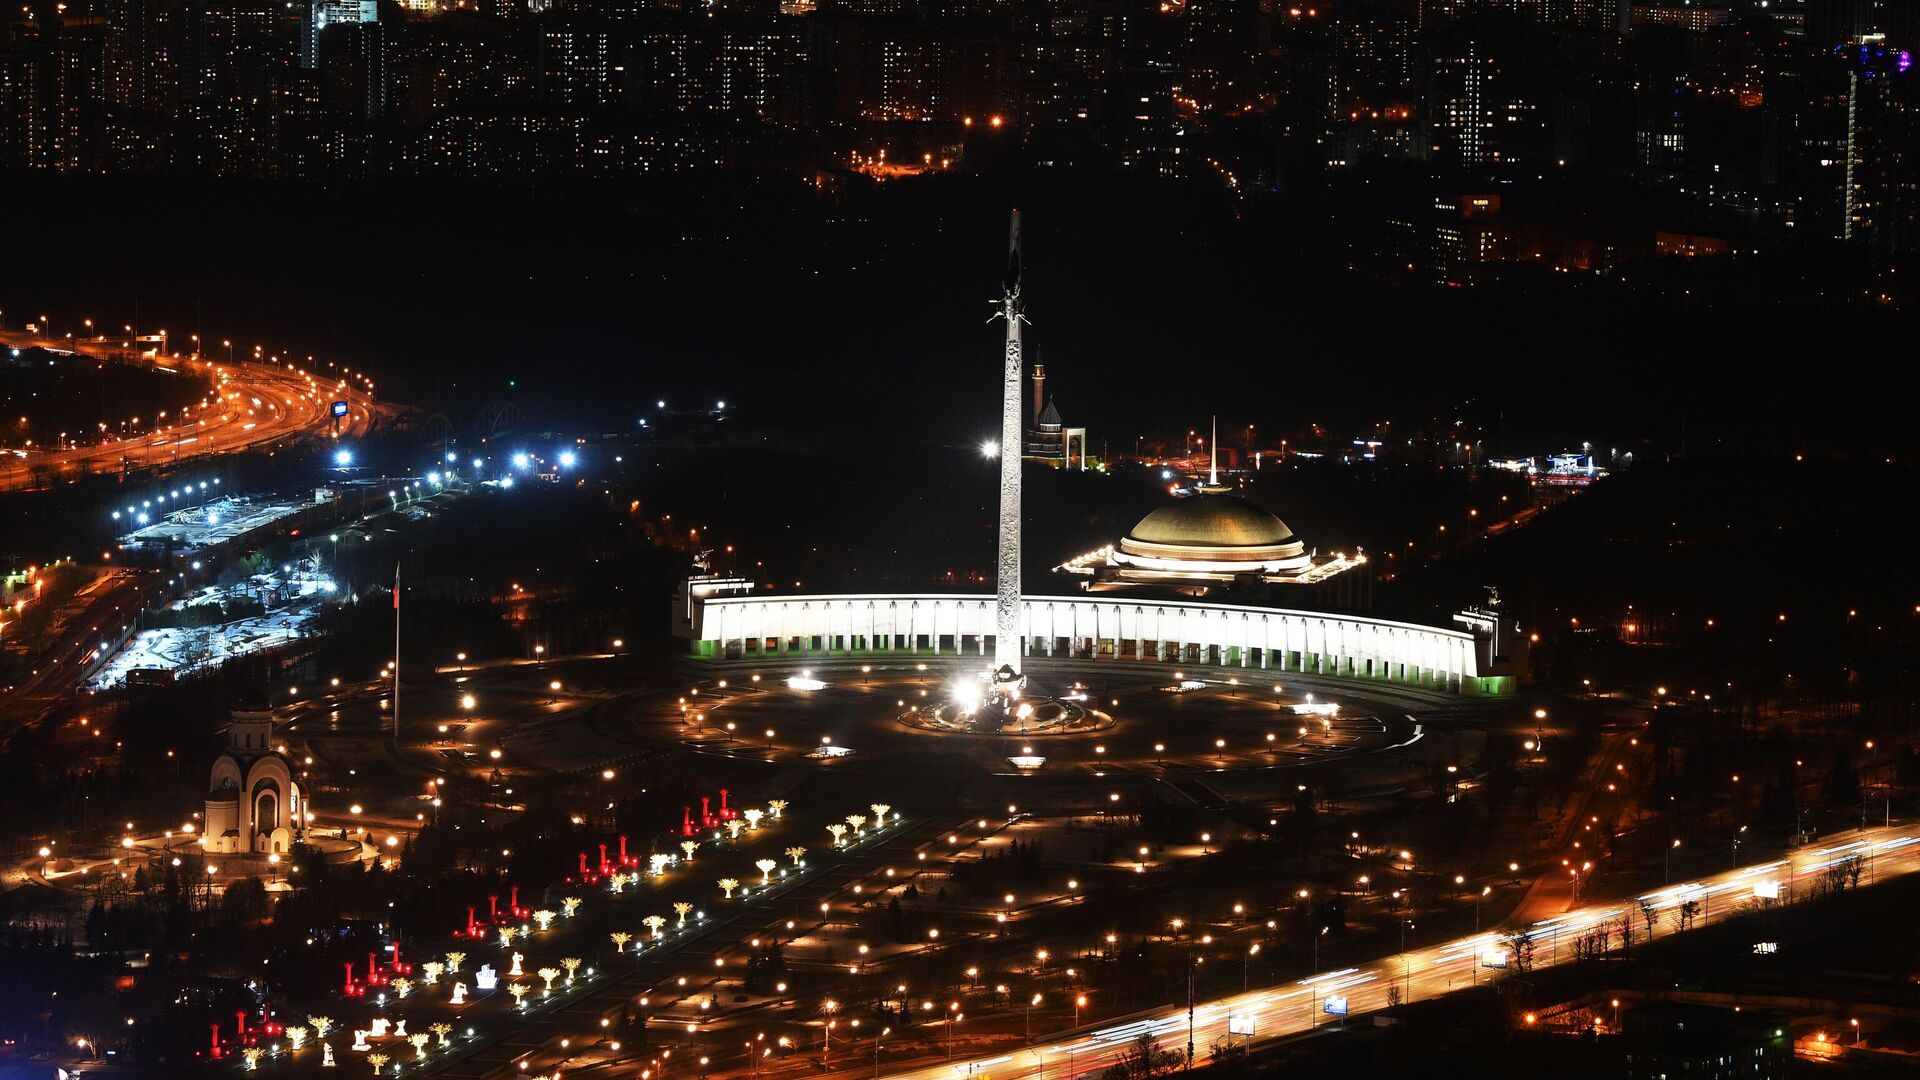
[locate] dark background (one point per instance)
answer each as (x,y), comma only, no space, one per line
(859,311)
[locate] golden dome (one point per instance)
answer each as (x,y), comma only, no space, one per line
(1211,529)
(1211,521)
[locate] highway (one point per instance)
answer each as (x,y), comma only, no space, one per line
(1287,1010)
(91,616)
(250,404)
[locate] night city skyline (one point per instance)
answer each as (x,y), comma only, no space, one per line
(1042,540)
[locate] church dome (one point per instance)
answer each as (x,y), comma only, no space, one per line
(1212,529)
(1211,521)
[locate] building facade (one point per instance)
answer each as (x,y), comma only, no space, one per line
(722,623)
(254,805)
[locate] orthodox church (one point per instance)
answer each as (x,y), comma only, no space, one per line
(254,805)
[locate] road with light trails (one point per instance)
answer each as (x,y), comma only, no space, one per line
(1288,1010)
(258,404)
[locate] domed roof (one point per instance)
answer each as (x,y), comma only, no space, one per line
(1211,521)
(251,699)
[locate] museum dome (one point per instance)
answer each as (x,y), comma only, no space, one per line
(1212,528)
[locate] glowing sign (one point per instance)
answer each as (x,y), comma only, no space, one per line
(339,408)
(1766,890)
(1335,1006)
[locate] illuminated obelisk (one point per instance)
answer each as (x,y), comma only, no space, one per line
(1006,623)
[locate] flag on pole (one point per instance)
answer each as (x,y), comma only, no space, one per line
(396,586)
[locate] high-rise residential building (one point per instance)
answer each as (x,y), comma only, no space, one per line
(354,72)
(1219,40)
(1698,16)
(580,63)
(1458,99)
(322,14)
(1880,185)
(1371,60)
(718,69)
(1661,98)
(455,60)
(143,38)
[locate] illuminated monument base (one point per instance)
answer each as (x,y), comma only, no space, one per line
(992,703)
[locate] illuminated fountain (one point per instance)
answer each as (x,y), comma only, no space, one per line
(982,706)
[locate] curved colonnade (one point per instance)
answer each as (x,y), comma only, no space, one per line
(1225,635)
